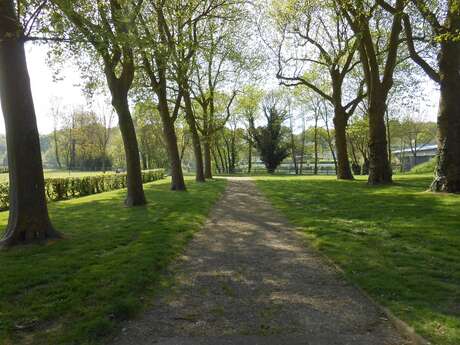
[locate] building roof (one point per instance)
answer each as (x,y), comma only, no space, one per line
(419,149)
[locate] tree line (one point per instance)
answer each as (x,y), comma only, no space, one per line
(185,64)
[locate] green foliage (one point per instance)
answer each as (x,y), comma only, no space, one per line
(61,188)
(425,168)
(404,252)
(248,103)
(82,141)
(270,139)
(110,263)
(149,130)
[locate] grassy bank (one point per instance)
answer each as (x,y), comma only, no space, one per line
(400,243)
(75,291)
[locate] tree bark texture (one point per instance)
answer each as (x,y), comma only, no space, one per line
(379,165)
(190,118)
(28,220)
(177,176)
(447,176)
(343,162)
(135,191)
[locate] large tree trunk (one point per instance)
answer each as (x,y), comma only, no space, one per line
(177,176)
(190,118)
(343,162)
(28,216)
(447,178)
(135,194)
(207,157)
(379,165)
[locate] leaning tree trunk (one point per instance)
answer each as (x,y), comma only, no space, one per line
(177,176)
(28,217)
(379,165)
(190,118)
(447,177)
(135,194)
(228,154)
(343,162)
(222,160)
(216,162)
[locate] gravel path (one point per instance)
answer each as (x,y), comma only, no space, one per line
(248,278)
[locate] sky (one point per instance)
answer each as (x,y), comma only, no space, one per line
(44,90)
(68,91)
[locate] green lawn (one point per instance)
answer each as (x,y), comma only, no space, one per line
(74,291)
(400,243)
(60,173)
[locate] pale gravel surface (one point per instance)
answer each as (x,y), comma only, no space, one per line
(248,278)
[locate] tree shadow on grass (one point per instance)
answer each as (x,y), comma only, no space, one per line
(397,242)
(77,288)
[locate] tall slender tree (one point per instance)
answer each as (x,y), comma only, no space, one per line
(378,50)
(167,45)
(156,45)
(315,41)
(248,106)
(218,67)
(56,116)
(107,25)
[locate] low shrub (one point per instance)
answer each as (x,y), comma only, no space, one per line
(62,188)
(425,168)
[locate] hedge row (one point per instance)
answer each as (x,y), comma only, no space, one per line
(58,188)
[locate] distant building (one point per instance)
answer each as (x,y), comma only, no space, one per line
(423,154)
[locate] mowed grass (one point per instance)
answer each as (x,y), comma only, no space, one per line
(400,243)
(76,290)
(60,173)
